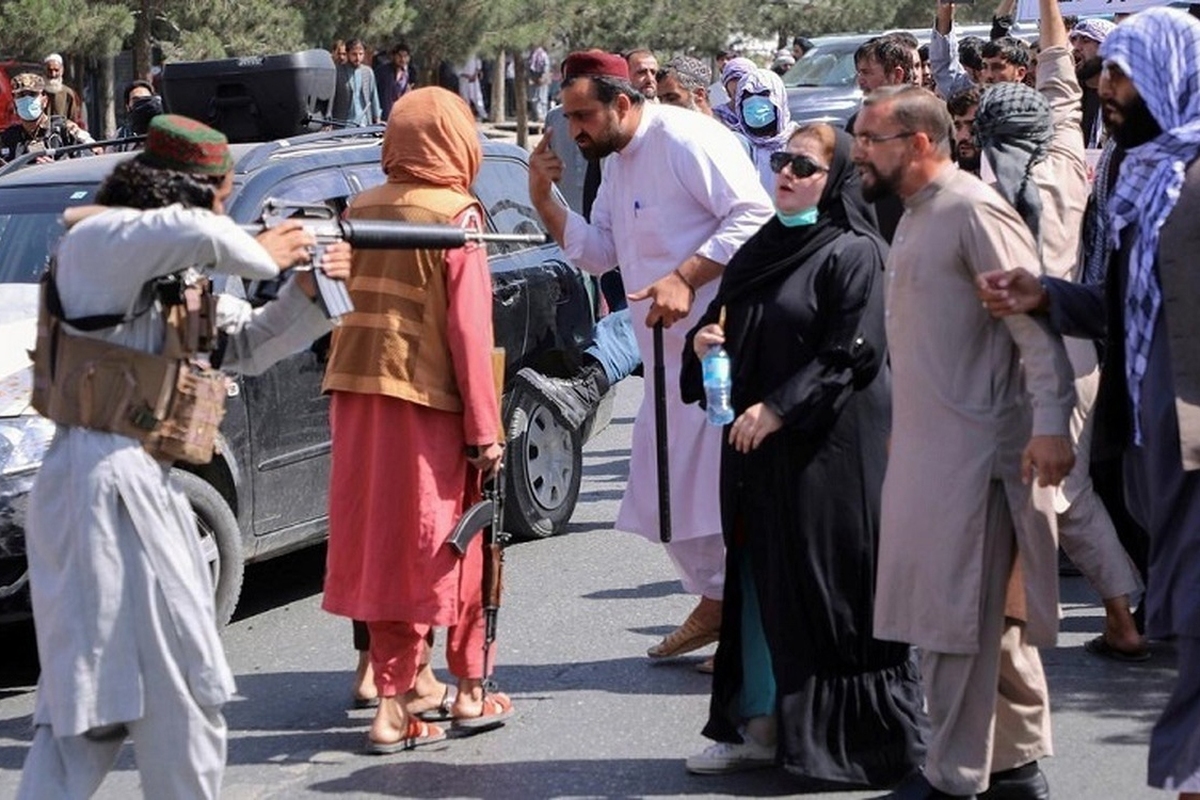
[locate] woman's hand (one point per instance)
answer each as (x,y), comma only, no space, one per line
(755,424)
(706,337)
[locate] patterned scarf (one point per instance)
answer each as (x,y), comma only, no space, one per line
(1159,49)
(1013,127)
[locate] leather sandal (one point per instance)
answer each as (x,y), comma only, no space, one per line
(496,709)
(440,712)
(691,635)
(418,734)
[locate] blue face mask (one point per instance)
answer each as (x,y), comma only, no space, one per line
(758,112)
(798,219)
(29,108)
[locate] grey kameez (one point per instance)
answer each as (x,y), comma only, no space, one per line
(112,543)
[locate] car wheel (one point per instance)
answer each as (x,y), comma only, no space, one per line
(544,464)
(220,540)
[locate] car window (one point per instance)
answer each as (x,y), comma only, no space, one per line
(320,186)
(829,65)
(30,224)
(503,190)
(327,188)
(367,175)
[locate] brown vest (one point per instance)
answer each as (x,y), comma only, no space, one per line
(394,342)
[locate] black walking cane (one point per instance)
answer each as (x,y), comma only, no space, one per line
(660,437)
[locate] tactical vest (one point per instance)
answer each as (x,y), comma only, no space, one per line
(172,403)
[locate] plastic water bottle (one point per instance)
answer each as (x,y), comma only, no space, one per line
(717,382)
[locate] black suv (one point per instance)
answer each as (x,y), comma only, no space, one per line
(266,491)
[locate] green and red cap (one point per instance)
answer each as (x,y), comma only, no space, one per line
(185,145)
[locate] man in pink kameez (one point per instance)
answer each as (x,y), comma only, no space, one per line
(411,377)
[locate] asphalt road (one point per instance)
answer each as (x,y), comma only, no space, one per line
(595,718)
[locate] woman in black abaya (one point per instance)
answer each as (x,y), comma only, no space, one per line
(799,678)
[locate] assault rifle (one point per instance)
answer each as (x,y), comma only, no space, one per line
(487,517)
(327,228)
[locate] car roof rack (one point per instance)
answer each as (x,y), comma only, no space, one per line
(261,153)
(31,157)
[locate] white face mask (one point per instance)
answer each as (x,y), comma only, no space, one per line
(29,108)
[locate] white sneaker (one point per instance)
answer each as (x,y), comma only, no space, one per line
(723,757)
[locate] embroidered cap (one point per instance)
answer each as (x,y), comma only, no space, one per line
(185,145)
(1095,29)
(594,64)
(28,82)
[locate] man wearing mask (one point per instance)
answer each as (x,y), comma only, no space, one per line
(37,130)
(141,106)
(64,101)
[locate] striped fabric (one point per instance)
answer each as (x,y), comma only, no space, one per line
(1159,49)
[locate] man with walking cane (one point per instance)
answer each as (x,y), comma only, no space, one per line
(678,197)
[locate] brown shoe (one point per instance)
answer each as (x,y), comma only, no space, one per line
(702,627)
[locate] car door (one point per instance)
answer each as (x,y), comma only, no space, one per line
(288,415)
(543,306)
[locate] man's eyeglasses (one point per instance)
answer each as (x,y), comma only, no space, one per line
(868,139)
(802,166)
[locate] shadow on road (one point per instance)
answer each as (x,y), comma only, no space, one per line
(279,581)
(405,776)
(644,592)
(19,665)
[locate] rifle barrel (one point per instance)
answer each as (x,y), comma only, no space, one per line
(391,235)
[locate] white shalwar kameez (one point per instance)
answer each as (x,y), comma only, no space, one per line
(682,186)
(121,593)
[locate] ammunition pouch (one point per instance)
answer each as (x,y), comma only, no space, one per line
(171,403)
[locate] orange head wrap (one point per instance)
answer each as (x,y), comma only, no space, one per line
(431,138)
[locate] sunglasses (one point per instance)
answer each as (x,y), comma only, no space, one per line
(802,166)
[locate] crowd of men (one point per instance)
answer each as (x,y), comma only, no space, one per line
(1039,321)
(1087,137)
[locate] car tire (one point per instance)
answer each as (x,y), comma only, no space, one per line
(220,541)
(543,464)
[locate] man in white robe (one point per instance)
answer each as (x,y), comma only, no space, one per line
(678,197)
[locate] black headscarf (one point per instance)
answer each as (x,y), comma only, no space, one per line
(777,250)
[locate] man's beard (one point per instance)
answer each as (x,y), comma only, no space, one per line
(54,85)
(595,149)
(879,185)
(1086,70)
(970,162)
(1137,125)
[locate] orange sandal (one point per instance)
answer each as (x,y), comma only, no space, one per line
(418,734)
(496,709)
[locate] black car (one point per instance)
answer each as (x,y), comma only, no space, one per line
(266,491)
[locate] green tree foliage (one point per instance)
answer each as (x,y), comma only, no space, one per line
(446,30)
(371,20)
(30,29)
(204,29)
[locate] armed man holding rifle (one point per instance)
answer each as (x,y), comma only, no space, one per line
(121,591)
(415,424)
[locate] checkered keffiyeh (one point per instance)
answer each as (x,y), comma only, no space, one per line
(1159,49)
(1013,127)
